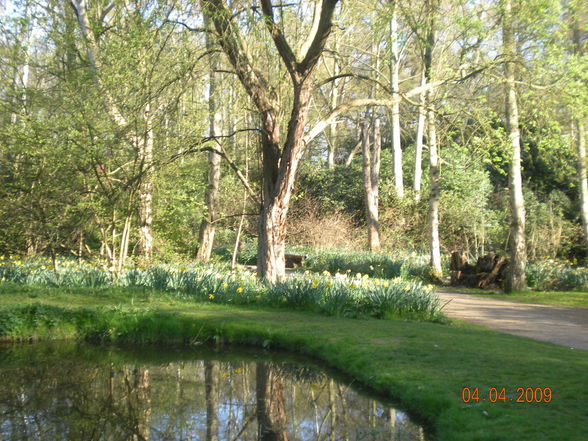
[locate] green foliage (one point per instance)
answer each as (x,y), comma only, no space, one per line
(380,265)
(553,275)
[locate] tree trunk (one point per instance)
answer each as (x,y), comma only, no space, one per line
(278,182)
(207,227)
(394,83)
(515,280)
(271,409)
(582,174)
(279,165)
(370,191)
(434,193)
(578,26)
(145,149)
(211,372)
(418,148)
(334,103)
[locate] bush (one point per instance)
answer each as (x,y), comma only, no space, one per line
(554,275)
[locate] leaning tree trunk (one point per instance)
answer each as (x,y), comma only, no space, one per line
(334,102)
(394,83)
(518,248)
(207,227)
(370,184)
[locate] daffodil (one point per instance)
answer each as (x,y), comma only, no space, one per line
(239,290)
(211,296)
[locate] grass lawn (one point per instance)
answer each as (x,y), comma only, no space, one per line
(423,365)
(560,298)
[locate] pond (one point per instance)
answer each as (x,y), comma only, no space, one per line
(73,391)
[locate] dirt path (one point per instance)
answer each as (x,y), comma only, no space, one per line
(561,325)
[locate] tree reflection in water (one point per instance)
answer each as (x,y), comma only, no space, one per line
(53,396)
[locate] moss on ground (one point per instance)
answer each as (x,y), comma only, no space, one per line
(423,365)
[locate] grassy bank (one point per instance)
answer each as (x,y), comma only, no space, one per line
(575,299)
(424,365)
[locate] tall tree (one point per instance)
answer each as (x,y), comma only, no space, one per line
(578,25)
(395,87)
(208,224)
(280,157)
(434,173)
(371,176)
(516,279)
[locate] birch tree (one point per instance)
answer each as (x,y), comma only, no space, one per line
(518,248)
(434,174)
(395,110)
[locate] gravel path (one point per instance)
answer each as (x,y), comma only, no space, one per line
(561,325)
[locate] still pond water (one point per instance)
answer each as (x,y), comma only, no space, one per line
(84,392)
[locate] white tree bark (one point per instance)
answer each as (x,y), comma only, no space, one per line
(418,148)
(394,83)
(145,149)
(434,172)
(434,194)
(516,280)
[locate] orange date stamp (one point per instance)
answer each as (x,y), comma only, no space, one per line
(500,395)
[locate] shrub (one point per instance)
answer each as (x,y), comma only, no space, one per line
(555,275)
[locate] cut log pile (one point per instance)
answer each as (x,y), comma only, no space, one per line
(488,272)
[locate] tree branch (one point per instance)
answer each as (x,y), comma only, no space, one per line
(323,29)
(282,45)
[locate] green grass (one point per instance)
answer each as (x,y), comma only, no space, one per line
(424,365)
(559,298)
